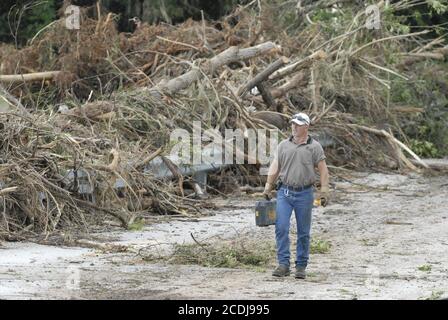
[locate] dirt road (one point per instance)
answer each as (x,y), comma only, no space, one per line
(387,238)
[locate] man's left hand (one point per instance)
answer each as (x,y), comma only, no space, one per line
(324,195)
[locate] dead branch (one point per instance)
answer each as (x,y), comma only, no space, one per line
(106,247)
(12,100)
(438,54)
(149,158)
(233,54)
(299,80)
(28,77)
(267,96)
(300,64)
(121,216)
(176,173)
(263,75)
(433,164)
(392,139)
(315,88)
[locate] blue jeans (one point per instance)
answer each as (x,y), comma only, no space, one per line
(302,203)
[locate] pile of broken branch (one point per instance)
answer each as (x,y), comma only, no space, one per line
(80,129)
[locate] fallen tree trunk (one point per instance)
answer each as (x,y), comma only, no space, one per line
(233,54)
(37,76)
(176,173)
(267,96)
(299,80)
(393,140)
(106,247)
(303,63)
(434,164)
(437,54)
(276,119)
(263,75)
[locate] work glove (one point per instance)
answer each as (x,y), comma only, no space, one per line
(268,187)
(324,195)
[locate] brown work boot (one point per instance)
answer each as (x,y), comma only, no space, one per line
(281,271)
(300,273)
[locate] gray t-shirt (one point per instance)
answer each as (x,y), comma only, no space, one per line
(297,162)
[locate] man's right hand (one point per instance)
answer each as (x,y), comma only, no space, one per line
(268,187)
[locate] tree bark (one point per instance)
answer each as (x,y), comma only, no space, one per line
(303,63)
(38,76)
(299,80)
(232,54)
(267,96)
(437,54)
(392,139)
(263,75)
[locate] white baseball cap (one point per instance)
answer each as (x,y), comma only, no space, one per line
(301,119)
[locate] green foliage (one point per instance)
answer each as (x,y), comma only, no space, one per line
(137,225)
(170,11)
(428,132)
(425,268)
(431,14)
(424,148)
(239,253)
(232,255)
(435,295)
(319,246)
(438,6)
(21,20)
(32,15)
(395,24)
(401,92)
(333,23)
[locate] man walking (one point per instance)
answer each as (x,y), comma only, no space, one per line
(294,164)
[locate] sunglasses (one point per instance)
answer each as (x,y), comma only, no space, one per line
(299,118)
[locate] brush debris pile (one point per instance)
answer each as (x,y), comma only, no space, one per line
(87,110)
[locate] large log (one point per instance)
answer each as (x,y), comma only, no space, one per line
(299,80)
(37,76)
(393,141)
(267,96)
(232,54)
(263,75)
(434,164)
(277,119)
(437,54)
(300,64)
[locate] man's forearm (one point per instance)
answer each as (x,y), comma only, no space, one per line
(324,178)
(272,179)
(273,173)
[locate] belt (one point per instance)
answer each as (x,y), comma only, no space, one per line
(296,189)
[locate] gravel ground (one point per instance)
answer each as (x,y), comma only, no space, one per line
(388,236)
